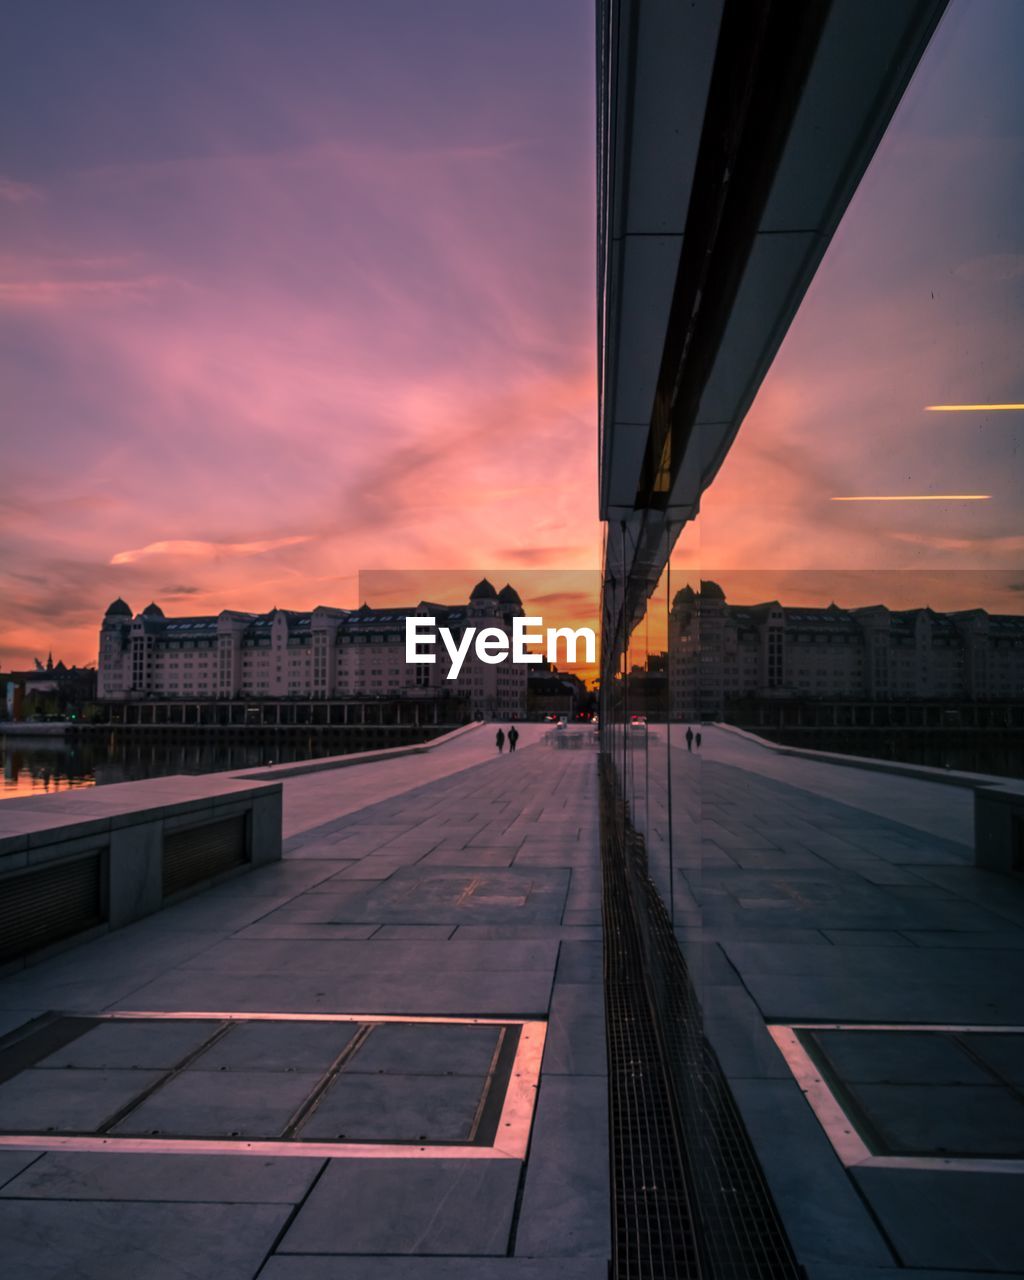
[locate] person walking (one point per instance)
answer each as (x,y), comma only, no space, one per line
(513,737)
(689,738)
(500,740)
(697,739)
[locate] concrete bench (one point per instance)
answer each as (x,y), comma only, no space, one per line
(83,861)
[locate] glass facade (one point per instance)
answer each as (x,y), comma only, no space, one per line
(850,588)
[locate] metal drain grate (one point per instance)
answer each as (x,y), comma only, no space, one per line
(653,1235)
(689,1196)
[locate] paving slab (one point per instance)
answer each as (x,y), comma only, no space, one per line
(396,1108)
(14,1019)
(580,962)
(266,930)
(737,1032)
(407,1207)
(485,895)
(525,932)
(104,1175)
(277,1046)
(427,1049)
(469,856)
(565,1209)
(866,938)
(823,1213)
(581,916)
(114,1240)
(899,1057)
(1001,1053)
(948,1219)
(13,1162)
(881,984)
(40,1101)
(348,956)
(944,1120)
(127,1045)
(389,932)
(214,1104)
(281,1267)
(575,1044)
(447,993)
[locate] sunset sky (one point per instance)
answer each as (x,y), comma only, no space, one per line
(290,292)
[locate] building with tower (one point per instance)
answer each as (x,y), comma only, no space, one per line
(324,654)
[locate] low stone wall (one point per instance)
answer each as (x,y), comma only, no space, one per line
(79,862)
(320,764)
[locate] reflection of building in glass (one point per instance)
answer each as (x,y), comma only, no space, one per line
(551,692)
(647,687)
(720,652)
(325,653)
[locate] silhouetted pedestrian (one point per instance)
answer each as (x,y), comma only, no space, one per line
(697,739)
(689,738)
(500,740)
(513,737)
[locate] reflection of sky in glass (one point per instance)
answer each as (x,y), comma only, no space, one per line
(919,302)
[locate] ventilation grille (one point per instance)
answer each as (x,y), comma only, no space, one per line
(199,853)
(49,903)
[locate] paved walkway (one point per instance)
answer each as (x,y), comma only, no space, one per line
(459,884)
(813,892)
(312,798)
(475,894)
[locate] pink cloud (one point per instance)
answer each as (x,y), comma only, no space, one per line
(185,549)
(12,192)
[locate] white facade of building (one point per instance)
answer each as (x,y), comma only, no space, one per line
(324,654)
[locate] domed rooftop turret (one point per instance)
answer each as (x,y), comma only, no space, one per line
(685,595)
(483,591)
(119,609)
(508,595)
(711,590)
(152,610)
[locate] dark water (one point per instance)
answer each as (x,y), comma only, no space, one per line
(994,751)
(34,766)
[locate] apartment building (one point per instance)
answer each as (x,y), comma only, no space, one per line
(327,653)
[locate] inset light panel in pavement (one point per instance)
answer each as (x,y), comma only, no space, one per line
(272,1084)
(909,1096)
